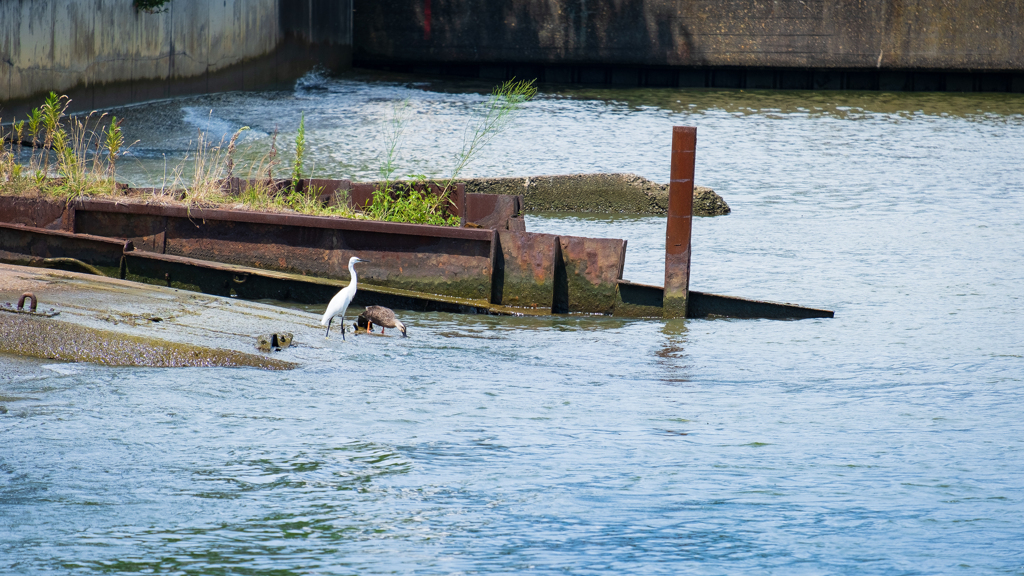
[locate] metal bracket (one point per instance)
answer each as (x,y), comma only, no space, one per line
(33,304)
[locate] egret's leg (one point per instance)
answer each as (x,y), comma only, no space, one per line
(329,320)
(343,327)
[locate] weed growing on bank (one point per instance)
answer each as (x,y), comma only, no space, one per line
(428,202)
(53,155)
(66,158)
(211,180)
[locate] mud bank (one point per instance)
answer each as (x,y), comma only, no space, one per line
(602,193)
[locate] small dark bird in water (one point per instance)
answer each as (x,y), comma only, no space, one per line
(383,317)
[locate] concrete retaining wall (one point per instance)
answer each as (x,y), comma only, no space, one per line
(598,193)
(105,52)
(887,44)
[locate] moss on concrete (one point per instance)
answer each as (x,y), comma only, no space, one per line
(601,193)
(47,338)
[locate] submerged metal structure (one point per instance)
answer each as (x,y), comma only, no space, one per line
(490,265)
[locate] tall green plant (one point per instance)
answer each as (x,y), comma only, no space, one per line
(35,117)
(415,202)
(19,129)
(391,134)
(7,160)
(10,169)
(403,202)
(499,113)
(300,151)
(78,152)
(113,141)
(52,111)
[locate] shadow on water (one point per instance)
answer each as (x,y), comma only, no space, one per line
(841,105)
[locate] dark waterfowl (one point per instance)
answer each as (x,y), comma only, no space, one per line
(383,317)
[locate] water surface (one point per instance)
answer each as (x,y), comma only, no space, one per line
(887,440)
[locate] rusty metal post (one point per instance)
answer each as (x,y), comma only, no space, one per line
(680,219)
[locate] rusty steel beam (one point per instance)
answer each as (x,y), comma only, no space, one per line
(704,305)
(198,215)
(635,300)
(563,274)
(30,246)
(254,283)
(35,212)
(539,257)
(296,257)
(454,262)
(495,211)
(39,247)
(646,301)
(680,220)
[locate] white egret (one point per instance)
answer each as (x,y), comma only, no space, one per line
(383,317)
(339,304)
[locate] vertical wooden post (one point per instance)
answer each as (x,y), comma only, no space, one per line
(680,219)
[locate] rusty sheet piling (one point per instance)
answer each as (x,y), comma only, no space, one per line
(525,270)
(439,260)
(530,273)
(592,267)
(488,265)
(680,221)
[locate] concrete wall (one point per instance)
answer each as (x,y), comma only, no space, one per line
(105,52)
(593,40)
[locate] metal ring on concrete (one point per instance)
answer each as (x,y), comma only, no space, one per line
(32,301)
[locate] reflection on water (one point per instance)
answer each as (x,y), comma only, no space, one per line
(886,440)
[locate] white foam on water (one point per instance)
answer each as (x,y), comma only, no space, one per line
(65,369)
(215,128)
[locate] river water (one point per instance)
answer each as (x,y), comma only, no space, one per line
(888,440)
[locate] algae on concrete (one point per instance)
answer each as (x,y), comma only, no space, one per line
(68,342)
(118,322)
(602,193)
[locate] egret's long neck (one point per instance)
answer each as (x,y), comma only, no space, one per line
(352,272)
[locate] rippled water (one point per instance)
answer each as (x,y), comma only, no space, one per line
(888,440)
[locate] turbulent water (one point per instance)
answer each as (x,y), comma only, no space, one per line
(888,440)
